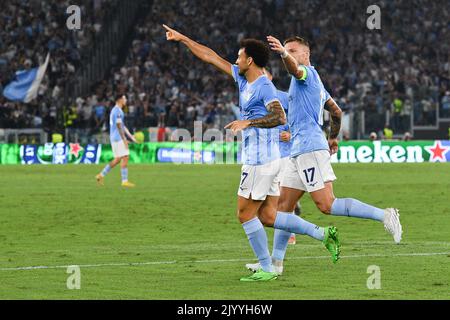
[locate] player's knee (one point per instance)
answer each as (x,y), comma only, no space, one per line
(243,216)
(267,220)
(324,207)
(285,205)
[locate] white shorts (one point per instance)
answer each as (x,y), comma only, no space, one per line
(118,149)
(258,182)
(309,171)
(284,163)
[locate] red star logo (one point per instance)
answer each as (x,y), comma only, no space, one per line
(198,156)
(75,149)
(437,152)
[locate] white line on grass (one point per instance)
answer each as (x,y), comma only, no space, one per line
(242,244)
(134,264)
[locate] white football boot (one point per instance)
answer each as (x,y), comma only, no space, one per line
(277,266)
(392,223)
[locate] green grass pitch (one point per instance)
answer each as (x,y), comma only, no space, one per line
(176,235)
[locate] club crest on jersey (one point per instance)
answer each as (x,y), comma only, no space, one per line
(247,95)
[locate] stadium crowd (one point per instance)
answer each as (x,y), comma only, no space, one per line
(403,68)
(29,29)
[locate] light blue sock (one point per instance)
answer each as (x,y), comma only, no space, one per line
(280,244)
(258,240)
(292,223)
(106,170)
(355,208)
(124,172)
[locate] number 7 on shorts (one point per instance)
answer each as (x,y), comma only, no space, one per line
(244,176)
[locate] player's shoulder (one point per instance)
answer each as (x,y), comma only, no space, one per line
(266,83)
(312,72)
(116,111)
(309,75)
(267,89)
(266,80)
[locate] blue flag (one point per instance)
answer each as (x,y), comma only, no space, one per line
(25,86)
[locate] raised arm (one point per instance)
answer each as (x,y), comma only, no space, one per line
(200,51)
(289,62)
(335,123)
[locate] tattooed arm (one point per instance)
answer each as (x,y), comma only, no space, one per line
(335,124)
(275,117)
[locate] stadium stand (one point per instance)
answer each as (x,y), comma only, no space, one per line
(30,29)
(399,74)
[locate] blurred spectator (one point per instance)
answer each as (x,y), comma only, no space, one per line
(388,133)
(397,110)
(445,105)
(407,136)
(345,136)
(99,115)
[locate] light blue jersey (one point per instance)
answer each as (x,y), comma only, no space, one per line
(307,98)
(259,145)
(116,116)
(285,147)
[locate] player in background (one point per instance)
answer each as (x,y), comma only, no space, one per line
(309,169)
(285,152)
(258,192)
(119,143)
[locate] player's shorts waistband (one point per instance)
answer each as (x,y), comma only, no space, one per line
(294,155)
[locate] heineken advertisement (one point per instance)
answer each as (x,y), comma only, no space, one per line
(214,152)
(393,151)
